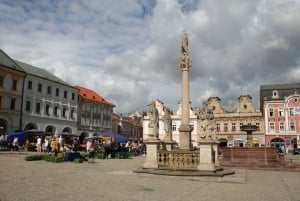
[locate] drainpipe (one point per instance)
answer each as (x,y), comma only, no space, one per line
(21,112)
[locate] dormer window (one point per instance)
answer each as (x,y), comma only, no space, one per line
(275,94)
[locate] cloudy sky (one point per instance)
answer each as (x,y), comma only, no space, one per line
(128,51)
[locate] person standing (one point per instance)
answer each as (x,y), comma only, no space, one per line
(55,146)
(46,145)
(15,144)
(60,141)
(88,145)
(39,144)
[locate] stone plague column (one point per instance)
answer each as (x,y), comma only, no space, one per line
(185,129)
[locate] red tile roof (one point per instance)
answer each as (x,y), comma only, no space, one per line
(91,95)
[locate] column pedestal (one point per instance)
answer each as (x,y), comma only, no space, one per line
(206,156)
(152,146)
(185,137)
(168,144)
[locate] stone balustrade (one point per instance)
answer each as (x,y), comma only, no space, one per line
(178,159)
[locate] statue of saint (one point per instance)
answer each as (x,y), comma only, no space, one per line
(168,124)
(207,122)
(184,43)
(154,119)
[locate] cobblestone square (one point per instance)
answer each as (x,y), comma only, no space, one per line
(113,180)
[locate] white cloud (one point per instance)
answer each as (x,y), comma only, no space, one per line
(128,51)
(276,44)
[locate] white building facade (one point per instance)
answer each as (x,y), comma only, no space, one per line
(49,103)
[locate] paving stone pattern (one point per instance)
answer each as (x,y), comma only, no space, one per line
(114,180)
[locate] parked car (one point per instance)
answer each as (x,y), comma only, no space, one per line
(296,151)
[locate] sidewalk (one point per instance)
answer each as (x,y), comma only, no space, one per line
(113,179)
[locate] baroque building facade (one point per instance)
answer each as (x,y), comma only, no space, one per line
(94,113)
(228,124)
(11,91)
(281,107)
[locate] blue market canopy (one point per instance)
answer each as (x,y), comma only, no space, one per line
(22,136)
(117,137)
(35,132)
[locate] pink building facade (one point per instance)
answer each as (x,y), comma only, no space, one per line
(281,109)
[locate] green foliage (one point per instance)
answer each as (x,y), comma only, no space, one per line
(78,160)
(49,158)
(34,158)
(5,149)
(100,155)
(118,155)
(31,147)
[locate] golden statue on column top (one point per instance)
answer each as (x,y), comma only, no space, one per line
(185,61)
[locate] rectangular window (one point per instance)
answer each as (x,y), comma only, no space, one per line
(14,86)
(64,112)
(49,90)
(0,101)
(233,128)
(271,112)
(38,108)
(218,128)
(57,92)
(1,81)
(72,114)
(12,103)
(65,94)
(225,127)
(291,112)
(39,87)
(272,126)
(73,96)
(29,84)
(281,126)
(55,112)
(258,126)
(47,109)
(173,127)
(281,112)
(292,126)
(28,106)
